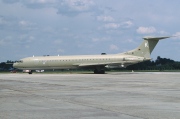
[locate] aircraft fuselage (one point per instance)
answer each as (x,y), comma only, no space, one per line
(97,62)
(71,62)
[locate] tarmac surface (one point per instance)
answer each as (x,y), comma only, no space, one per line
(90,96)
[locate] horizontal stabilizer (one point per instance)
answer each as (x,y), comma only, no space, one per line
(156,38)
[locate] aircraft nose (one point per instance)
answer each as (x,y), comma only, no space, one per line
(15,65)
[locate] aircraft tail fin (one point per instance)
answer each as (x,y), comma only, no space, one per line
(146,47)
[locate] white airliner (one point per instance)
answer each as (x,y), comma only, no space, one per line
(96,62)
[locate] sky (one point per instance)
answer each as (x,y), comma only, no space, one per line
(86,27)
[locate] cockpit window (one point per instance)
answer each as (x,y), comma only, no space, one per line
(19,61)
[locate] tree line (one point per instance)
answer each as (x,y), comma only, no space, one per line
(8,65)
(158,64)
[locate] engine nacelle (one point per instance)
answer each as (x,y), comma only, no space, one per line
(122,65)
(26,71)
(39,71)
(115,66)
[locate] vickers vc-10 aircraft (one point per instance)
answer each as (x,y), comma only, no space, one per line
(96,62)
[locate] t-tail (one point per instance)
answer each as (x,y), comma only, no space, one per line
(146,48)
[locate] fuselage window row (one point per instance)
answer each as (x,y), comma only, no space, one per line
(71,60)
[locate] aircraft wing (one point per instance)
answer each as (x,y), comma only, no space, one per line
(92,64)
(127,63)
(96,64)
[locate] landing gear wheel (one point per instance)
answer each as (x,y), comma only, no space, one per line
(102,72)
(95,71)
(99,72)
(30,72)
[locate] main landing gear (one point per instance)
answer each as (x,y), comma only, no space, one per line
(99,71)
(30,72)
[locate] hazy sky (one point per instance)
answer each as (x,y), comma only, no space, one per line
(78,27)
